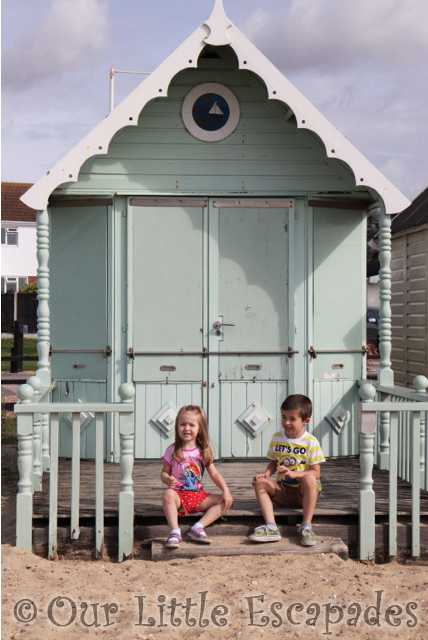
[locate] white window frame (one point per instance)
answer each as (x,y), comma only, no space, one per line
(17,281)
(8,231)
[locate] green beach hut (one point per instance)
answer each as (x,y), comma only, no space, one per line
(207,243)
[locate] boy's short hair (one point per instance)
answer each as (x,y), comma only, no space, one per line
(298,401)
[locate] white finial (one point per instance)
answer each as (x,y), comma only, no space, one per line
(218,23)
(126,392)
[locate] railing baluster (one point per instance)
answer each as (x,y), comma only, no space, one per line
(75,477)
(426,451)
(99,484)
(416,482)
(393,473)
(402,447)
(423,457)
(53,489)
(383,448)
(420,384)
(36,384)
(37,451)
(407,447)
(46,458)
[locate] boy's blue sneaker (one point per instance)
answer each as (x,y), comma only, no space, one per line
(265,534)
(307,537)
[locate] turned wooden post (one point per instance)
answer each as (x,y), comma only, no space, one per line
(386,374)
(24,498)
(43,323)
(126,495)
(366,502)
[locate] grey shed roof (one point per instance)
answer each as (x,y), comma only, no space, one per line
(414,216)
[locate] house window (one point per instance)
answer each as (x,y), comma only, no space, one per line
(11,284)
(9,235)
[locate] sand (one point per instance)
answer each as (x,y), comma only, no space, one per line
(239,597)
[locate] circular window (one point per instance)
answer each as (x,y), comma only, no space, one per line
(210,112)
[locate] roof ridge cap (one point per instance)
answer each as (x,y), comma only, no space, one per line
(218,23)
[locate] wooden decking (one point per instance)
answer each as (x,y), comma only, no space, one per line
(339,497)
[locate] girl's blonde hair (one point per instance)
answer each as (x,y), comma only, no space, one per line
(202,439)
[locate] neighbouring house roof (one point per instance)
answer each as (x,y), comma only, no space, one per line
(218,30)
(414,216)
(12,208)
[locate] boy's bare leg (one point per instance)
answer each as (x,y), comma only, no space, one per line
(171,504)
(309,489)
(265,490)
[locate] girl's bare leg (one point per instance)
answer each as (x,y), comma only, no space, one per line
(171,503)
(214,507)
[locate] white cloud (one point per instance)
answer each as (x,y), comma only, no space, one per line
(64,37)
(338,33)
(363,64)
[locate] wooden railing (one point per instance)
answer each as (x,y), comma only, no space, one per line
(30,411)
(398,426)
(400,395)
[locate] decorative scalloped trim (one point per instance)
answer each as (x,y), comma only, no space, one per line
(186,56)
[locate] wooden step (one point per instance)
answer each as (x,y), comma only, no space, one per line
(233,546)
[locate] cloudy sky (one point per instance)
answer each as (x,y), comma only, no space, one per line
(363,63)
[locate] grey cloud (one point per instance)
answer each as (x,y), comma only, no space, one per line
(341,33)
(66,34)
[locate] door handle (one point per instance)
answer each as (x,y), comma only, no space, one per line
(217,326)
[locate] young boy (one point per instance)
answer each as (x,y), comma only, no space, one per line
(296,455)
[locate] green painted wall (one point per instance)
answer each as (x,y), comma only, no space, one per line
(78,311)
(339,311)
(265,154)
(78,291)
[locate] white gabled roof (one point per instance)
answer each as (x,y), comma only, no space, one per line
(218,30)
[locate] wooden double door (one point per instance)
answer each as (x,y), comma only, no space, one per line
(208,309)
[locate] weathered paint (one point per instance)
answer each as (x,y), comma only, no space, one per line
(287,277)
(265,154)
(80,391)
(245,272)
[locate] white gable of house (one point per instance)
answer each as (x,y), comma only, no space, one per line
(218,30)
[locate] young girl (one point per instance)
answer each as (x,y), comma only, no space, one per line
(184,464)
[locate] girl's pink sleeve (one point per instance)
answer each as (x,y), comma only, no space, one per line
(168,455)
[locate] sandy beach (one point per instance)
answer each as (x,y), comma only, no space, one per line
(238,597)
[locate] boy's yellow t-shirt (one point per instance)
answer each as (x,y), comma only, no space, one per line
(297,454)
